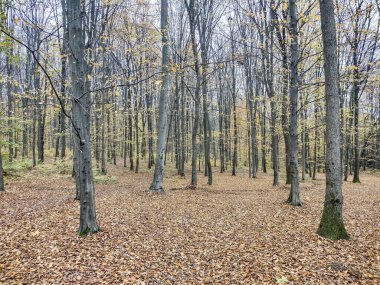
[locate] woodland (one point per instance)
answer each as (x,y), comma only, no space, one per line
(189,142)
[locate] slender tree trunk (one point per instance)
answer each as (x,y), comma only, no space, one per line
(158,177)
(264,138)
(114,123)
(103,155)
(192,24)
(150,130)
(206,120)
(9,66)
(234,95)
(137,106)
(1,172)
(331,224)
(221,120)
(34,134)
(62,119)
(130,130)
(356,90)
(64,52)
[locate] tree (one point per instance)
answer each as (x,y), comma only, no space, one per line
(1,172)
(294,198)
(192,14)
(158,176)
(81,117)
(331,224)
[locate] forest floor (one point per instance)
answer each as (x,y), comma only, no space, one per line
(238,231)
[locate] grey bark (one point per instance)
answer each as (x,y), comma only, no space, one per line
(294,196)
(1,173)
(331,225)
(81,117)
(191,9)
(158,177)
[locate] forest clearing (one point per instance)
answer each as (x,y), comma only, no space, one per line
(237,231)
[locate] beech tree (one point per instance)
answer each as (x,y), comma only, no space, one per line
(158,176)
(1,172)
(294,198)
(81,117)
(331,225)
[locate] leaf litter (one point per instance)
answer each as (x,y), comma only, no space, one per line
(238,231)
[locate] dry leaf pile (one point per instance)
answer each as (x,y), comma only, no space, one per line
(238,231)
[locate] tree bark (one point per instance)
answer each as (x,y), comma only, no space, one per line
(331,225)
(81,117)
(158,177)
(1,173)
(294,196)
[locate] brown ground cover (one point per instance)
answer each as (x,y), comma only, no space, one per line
(238,231)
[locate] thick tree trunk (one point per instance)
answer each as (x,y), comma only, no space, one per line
(331,225)
(81,118)
(294,196)
(158,177)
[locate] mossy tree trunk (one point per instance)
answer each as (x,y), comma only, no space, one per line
(331,225)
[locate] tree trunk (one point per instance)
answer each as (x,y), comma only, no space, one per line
(355,101)
(81,104)
(331,225)
(9,66)
(234,95)
(294,196)
(1,173)
(158,177)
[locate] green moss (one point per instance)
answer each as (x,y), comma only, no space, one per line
(89,230)
(356,180)
(332,226)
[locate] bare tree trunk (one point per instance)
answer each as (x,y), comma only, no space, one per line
(150,129)
(137,137)
(355,101)
(190,6)
(221,133)
(103,137)
(64,88)
(331,224)
(81,118)
(1,172)
(294,196)
(158,177)
(9,66)
(234,95)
